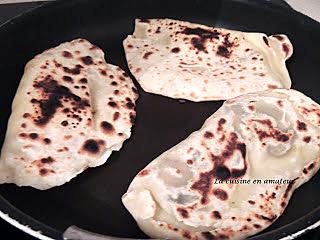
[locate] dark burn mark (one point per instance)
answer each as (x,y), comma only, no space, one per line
(202,33)
(23,125)
(158,30)
(103,72)
(64,123)
(147,54)
(251,202)
(224,50)
(91,146)
(47,160)
(271,132)
(280,38)
(242,148)
(245,227)
(43,171)
(55,93)
(269,218)
(113,104)
(283,204)
(222,236)
(144,173)
(183,212)
(33,135)
(46,140)
(216,215)
(132,117)
(222,138)
(220,171)
(208,134)
(251,107)
(285,48)
(23,135)
(186,234)
(266,122)
(221,122)
(66,110)
(203,36)
(67,79)
(114,83)
(57,64)
(116,116)
(307,139)
(301,126)
(203,185)
(220,194)
(83,80)
(125,74)
(189,162)
(87,60)
(257,226)
(289,187)
(144,20)
(208,236)
(134,90)
(311,166)
(67,54)
(107,127)
(26,115)
(75,71)
(175,50)
(198,44)
(265,39)
(130,105)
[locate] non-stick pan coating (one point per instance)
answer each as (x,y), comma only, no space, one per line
(92,200)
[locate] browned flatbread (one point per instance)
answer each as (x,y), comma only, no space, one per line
(190,191)
(191,61)
(71,110)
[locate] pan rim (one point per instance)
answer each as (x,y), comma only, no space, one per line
(307,222)
(24,228)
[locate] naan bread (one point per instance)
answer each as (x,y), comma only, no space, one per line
(71,110)
(199,63)
(269,135)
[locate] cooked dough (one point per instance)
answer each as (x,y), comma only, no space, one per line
(71,110)
(187,193)
(199,63)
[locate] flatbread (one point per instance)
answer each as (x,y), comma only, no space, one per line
(71,110)
(191,61)
(271,135)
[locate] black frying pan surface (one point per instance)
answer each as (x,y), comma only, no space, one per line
(92,200)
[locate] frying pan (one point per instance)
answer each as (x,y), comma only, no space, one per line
(92,200)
